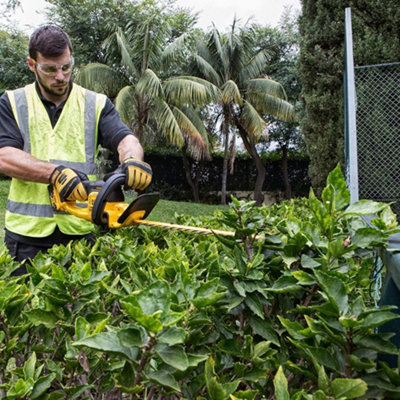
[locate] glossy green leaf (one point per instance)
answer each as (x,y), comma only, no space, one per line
(323,380)
(214,389)
(244,395)
(175,356)
(82,328)
(349,388)
(285,284)
(378,318)
(21,389)
(41,317)
(264,328)
(334,289)
(195,359)
(303,277)
(366,237)
(173,335)
(149,306)
(341,194)
(42,385)
(131,337)
(107,342)
(365,207)
(321,214)
(86,271)
(294,328)
(308,262)
(29,367)
(164,378)
(375,342)
(253,302)
(281,385)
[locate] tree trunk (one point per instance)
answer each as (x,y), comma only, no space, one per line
(285,171)
(194,184)
(225,131)
(251,149)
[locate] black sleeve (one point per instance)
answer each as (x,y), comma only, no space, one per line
(111,129)
(10,135)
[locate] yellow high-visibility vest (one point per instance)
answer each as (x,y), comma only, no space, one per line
(71,143)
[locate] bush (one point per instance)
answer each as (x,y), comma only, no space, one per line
(281,310)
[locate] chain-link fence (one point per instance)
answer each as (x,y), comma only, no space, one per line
(378,132)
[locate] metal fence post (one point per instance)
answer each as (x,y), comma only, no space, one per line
(350,114)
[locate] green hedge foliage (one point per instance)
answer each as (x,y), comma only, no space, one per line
(280,311)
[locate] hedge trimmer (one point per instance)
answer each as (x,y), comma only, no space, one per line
(107,208)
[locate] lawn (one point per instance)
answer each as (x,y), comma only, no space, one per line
(164,210)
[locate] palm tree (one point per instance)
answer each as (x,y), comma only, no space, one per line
(152,106)
(233,63)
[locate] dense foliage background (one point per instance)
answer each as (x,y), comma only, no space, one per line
(321,65)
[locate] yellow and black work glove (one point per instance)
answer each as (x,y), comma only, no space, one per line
(138,174)
(69,184)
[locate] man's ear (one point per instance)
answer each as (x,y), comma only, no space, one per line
(31,64)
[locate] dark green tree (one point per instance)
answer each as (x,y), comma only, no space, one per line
(376,37)
(89,23)
(14,71)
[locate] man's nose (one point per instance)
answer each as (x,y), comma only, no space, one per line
(59,75)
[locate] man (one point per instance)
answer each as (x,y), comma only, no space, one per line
(49,132)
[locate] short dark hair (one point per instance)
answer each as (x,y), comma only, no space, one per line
(49,40)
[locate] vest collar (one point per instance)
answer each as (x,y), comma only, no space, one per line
(47,102)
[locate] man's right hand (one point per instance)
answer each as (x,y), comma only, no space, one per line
(69,184)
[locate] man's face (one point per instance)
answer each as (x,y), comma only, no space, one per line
(53,85)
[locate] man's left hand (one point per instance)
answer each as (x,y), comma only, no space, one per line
(138,174)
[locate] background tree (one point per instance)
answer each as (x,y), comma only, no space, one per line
(376,40)
(150,105)
(89,23)
(234,64)
(282,46)
(14,71)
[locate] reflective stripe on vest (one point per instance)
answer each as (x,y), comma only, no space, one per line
(72,143)
(88,167)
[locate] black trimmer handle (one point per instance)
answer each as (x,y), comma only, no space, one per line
(108,189)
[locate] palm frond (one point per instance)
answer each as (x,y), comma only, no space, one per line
(231,93)
(189,90)
(147,41)
(149,85)
(254,68)
(175,48)
(101,78)
(197,147)
(207,70)
(126,53)
(251,120)
(260,86)
(269,103)
(167,123)
(217,50)
(125,103)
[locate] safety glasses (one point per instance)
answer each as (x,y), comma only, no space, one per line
(51,70)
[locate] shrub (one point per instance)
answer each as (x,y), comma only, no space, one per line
(281,310)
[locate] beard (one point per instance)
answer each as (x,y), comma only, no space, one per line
(57,89)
